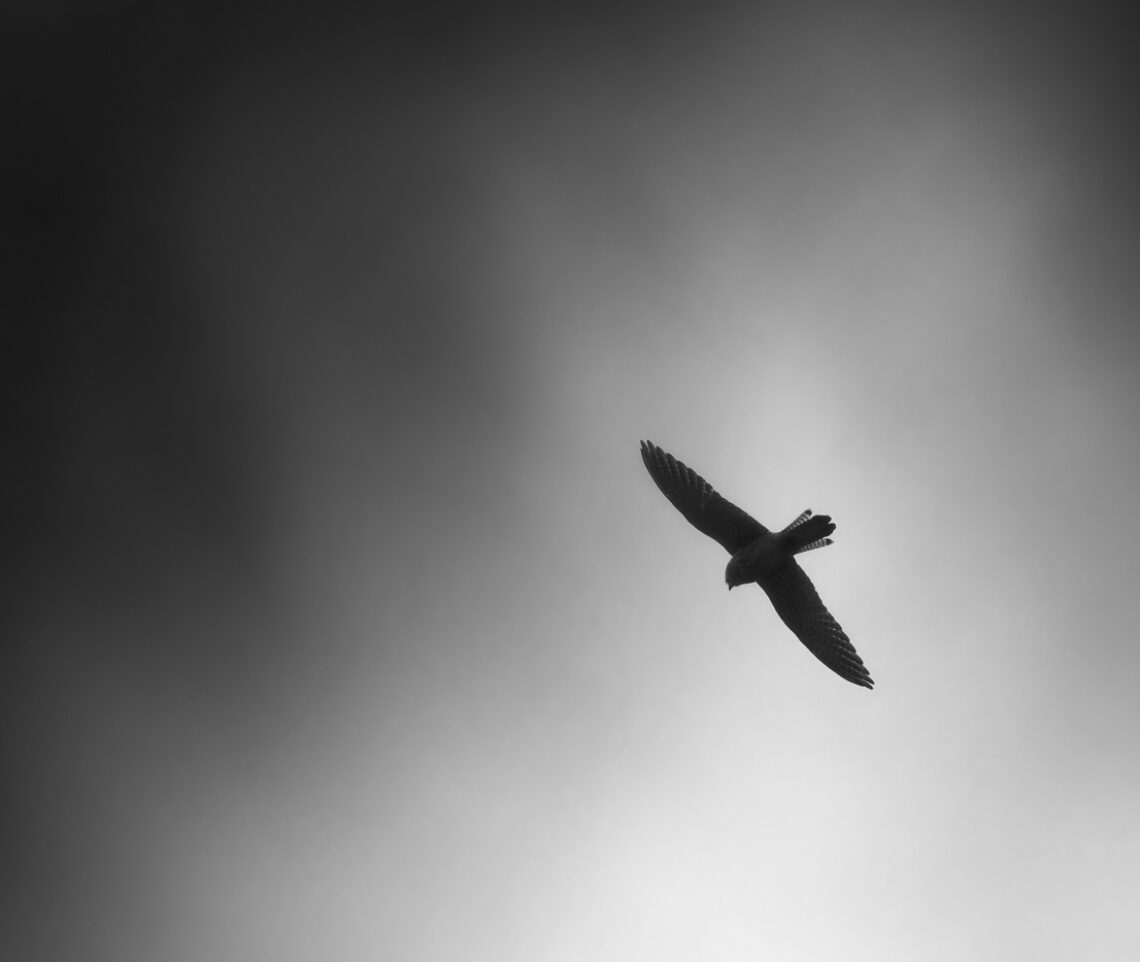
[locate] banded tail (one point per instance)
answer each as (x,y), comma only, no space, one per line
(808,532)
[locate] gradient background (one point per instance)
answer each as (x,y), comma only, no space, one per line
(344,621)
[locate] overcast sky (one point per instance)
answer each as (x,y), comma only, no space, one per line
(347,622)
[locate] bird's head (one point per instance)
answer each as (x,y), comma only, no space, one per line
(734,574)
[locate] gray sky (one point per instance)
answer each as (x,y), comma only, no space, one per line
(349,624)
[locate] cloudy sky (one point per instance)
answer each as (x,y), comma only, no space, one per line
(346,623)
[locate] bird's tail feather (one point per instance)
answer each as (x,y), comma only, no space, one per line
(808,532)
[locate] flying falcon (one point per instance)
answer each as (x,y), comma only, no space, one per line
(764,557)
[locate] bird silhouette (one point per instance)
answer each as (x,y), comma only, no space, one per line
(765,557)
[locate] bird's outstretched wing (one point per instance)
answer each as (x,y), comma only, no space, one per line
(695,498)
(797,603)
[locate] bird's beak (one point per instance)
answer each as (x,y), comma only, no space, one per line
(730,587)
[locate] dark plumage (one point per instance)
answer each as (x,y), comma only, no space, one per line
(764,557)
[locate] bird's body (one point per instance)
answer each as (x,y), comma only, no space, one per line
(755,561)
(764,557)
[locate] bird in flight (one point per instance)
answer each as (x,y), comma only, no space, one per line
(765,557)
